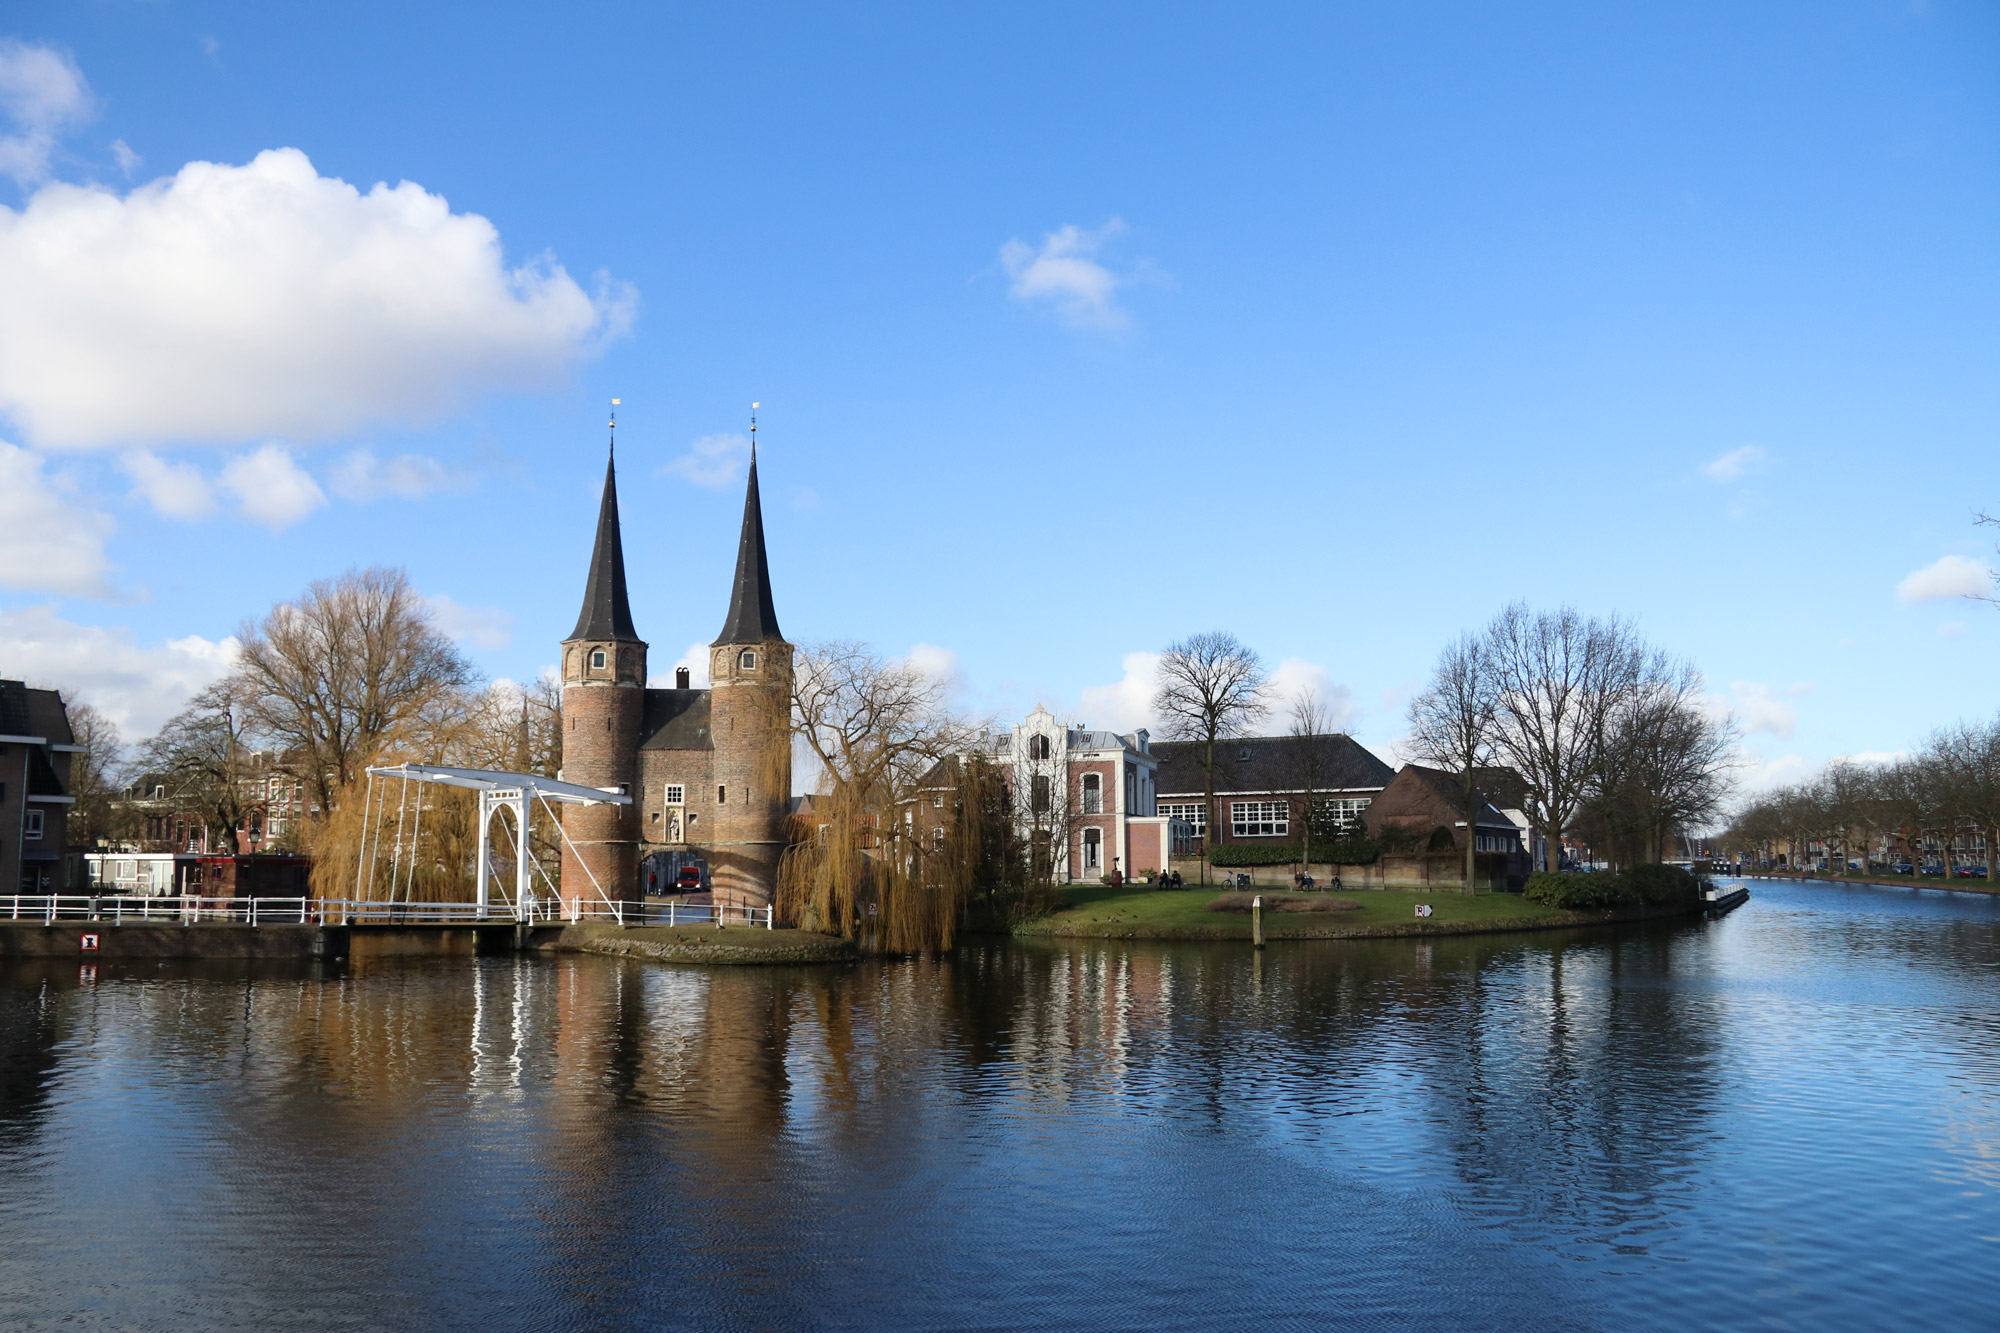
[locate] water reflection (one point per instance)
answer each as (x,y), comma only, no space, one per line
(1566,1129)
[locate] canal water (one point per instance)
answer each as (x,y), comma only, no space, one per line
(1788,1118)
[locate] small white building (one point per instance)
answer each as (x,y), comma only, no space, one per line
(1085,798)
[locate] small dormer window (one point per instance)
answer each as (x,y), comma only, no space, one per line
(747,659)
(597,660)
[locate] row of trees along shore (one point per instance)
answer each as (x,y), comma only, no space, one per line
(1942,799)
(1609,738)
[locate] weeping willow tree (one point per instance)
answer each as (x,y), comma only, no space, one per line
(861,861)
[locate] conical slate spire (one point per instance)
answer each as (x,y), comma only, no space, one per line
(607,613)
(752,617)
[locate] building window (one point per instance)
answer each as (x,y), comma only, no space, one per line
(1093,849)
(1260,819)
(1093,794)
(1345,812)
(937,838)
(1041,795)
(747,660)
(1038,747)
(721,794)
(597,660)
(1194,814)
(33,828)
(676,794)
(937,801)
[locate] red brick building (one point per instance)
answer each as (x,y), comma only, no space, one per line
(710,770)
(1261,785)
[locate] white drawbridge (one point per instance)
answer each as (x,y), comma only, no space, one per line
(498,790)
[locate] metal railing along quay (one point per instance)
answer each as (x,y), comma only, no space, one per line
(124,909)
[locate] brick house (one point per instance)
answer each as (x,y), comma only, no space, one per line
(1423,805)
(1083,798)
(36,749)
(155,816)
(1260,787)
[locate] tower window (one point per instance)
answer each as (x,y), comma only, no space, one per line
(676,794)
(597,660)
(721,794)
(747,659)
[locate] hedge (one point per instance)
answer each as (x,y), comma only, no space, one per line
(1655,885)
(1287,853)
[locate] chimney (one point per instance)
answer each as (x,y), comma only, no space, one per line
(680,678)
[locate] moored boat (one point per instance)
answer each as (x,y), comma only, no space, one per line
(1717,898)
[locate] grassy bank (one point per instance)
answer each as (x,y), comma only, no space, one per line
(1148,914)
(705,944)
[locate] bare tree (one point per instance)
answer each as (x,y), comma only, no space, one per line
(94,776)
(1311,723)
(1665,764)
(1561,677)
(1454,726)
(203,752)
(1211,686)
(1966,761)
(337,674)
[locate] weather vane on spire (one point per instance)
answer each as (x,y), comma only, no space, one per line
(753,432)
(614,425)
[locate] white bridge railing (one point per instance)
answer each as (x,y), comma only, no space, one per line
(122,909)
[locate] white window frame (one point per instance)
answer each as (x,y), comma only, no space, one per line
(676,793)
(747,660)
(1192,813)
(32,826)
(1260,819)
(1093,793)
(1093,848)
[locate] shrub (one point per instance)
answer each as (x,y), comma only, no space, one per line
(1663,885)
(1577,893)
(1353,852)
(1254,854)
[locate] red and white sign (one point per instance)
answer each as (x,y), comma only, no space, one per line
(1423,909)
(89,941)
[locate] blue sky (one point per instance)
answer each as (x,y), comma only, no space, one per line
(1076,330)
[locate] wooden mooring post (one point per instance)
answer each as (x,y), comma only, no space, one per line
(1257,921)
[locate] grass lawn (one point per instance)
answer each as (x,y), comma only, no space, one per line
(1143,913)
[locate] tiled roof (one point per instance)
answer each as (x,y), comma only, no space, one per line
(675,720)
(1269,763)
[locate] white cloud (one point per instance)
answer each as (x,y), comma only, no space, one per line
(1759,707)
(1062,275)
(1128,702)
(1734,464)
(712,460)
(1760,774)
(271,488)
(695,659)
(42,93)
(1295,677)
(178,490)
(1945,578)
(480,626)
(230,303)
(1873,758)
(940,664)
(363,476)
(128,161)
(137,686)
(47,544)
